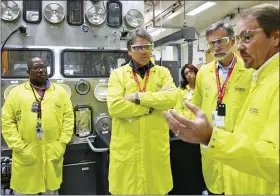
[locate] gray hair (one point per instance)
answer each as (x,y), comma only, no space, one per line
(220,24)
(267,16)
(141,32)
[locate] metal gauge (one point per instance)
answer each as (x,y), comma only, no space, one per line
(9,11)
(134,18)
(103,124)
(101,92)
(54,13)
(82,87)
(95,15)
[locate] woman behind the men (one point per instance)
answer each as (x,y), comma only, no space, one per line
(187,169)
(186,89)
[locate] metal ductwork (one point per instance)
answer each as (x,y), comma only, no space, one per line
(186,33)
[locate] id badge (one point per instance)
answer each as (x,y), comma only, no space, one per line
(221,108)
(39,131)
(218,121)
(35,106)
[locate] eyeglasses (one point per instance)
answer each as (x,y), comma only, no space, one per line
(37,68)
(221,42)
(247,35)
(139,48)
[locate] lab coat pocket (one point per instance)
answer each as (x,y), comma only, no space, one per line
(25,157)
(55,150)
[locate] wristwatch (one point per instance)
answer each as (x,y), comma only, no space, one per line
(137,100)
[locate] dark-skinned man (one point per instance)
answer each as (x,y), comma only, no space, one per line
(37,123)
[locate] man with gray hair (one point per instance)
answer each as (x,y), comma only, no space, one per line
(221,88)
(251,149)
(138,93)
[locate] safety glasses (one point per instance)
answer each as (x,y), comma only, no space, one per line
(139,48)
(221,42)
(37,68)
(247,35)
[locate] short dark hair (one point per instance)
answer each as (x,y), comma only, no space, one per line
(141,32)
(220,24)
(184,81)
(31,61)
(267,16)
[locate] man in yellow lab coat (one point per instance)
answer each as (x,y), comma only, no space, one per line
(138,93)
(252,148)
(37,123)
(228,74)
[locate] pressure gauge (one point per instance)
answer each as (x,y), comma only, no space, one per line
(95,15)
(82,87)
(9,11)
(54,13)
(134,18)
(103,124)
(101,92)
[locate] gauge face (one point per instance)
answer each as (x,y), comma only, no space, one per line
(95,15)
(54,13)
(8,90)
(103,124)
(134,18)
(101,92)
(82,87)
(9,11)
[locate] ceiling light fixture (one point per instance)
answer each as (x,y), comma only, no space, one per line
(158,31)
(201,8)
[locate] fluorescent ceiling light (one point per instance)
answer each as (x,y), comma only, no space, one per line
(201,8)
(172,15)
(154,33)
(151,30)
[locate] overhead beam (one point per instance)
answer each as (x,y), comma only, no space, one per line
(186,33)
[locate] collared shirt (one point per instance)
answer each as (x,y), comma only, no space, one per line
(222,71)
(256,74)
(189,94)
(41,90)
(141,70)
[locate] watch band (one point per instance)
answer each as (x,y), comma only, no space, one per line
(137,100)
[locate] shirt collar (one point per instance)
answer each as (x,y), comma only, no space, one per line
(256,74)
(136,66)
(48,84)
(188,87)
(219,65)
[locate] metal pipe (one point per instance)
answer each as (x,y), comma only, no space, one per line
(154,21)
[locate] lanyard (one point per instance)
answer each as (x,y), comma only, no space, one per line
(39,112)
(145,83)
(221,91)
